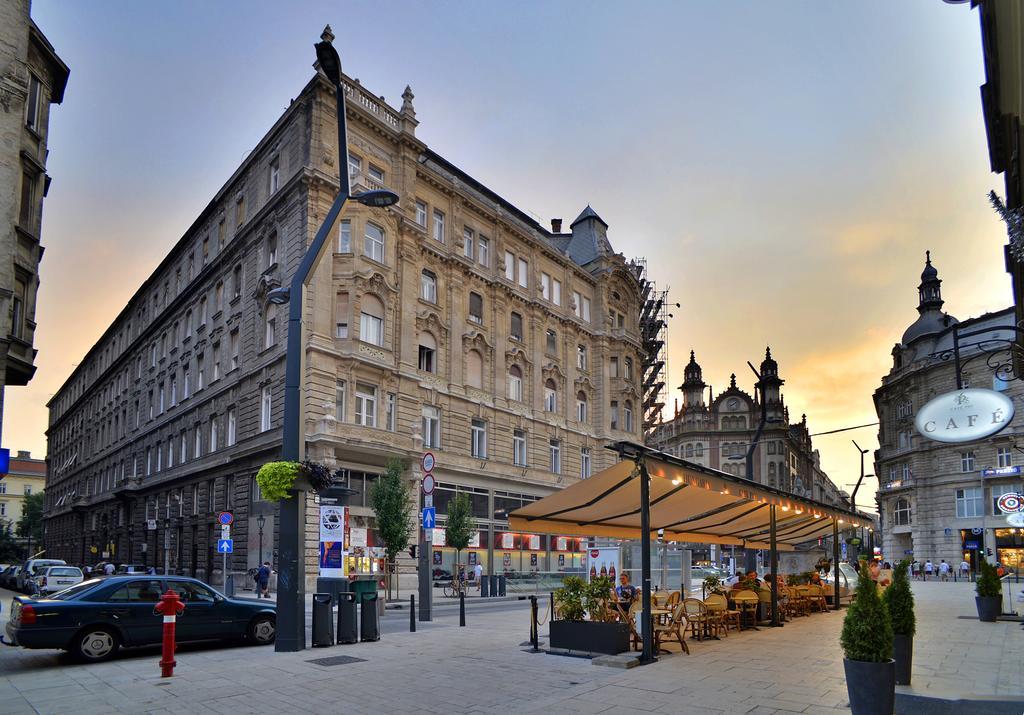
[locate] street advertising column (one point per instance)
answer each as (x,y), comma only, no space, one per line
(333,527)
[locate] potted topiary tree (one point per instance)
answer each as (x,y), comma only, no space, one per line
(899,600)
(990,593)
(867,647)
(572,632)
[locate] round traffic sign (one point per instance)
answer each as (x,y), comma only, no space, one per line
(226,517)
(428,462)
(428,483)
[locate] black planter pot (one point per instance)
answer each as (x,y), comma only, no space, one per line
(903,654)
(988,607)
(590,636)
(871,686)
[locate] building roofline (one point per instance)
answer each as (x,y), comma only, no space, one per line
(62,71)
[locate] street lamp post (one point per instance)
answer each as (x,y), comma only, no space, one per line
(291,597)
(261,521)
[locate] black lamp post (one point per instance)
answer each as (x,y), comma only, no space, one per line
(260,523)
(291,597)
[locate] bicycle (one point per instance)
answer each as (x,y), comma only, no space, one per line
(457,585)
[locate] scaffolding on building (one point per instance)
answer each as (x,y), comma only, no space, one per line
(654,315)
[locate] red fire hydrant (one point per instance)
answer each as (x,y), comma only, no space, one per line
(169,607)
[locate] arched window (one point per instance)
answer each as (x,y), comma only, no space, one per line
(474,369)
(515,383)
(581,406)
(371,320)
(428,353)
(627,416)
(698,450)
(901,513)
(428,286)
(550,396)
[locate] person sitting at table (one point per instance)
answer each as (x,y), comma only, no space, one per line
(816,579)
(625,591)
(746,581)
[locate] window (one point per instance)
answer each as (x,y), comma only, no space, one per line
(545,286)
(510,266)
(216,361)
(149,461)
(627,416)
(234,345)
(339,400)
(483,251)
(366,405)
(905,471)
(556,291)
(18,309)
(232,427)
(355,166)
(341,315)
(904,408)
(550,396)
(431,426)
(197,450)
(524,269)
(345,236)
(265,407)
(376,174)
(188,324)
(185,375)
(467,243)
(613,367)
(581,406)
(371,320)
(272,250)
(389,412)
(211,495)
(183,448)
(476,308)
(478,430)
(519,447)
(969,503)
(214,433)
(627,365)
(195,499)
(28,200)
(474,369)
(275,176)
(901,513)
(438,226)
(516,328)
(200,372)
(584,462)
(515,383)
(1004,457)
(428,353)
(615,414)
(239,213)
(967,461)
(202,310)
(581,357)
(428,286)
(421,214)
(373,242)
(551,341)
(206,250)
(556,456)
(34,105)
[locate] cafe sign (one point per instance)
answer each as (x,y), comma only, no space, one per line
(964,415)
(1010,503)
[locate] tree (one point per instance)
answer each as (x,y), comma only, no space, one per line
(867,631)
(10,551)
(899,599)
(30,525)
(459,527)
(391,500)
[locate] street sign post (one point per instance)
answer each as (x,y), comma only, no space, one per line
(225,518)
(428,463)
(429,517)
(151,524)
(428,483)
(225,546)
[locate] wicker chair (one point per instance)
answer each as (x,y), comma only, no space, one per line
(718,607)
(816,596)
(698,619)
(674,599)
(746,600)
(674,628)
(628,616)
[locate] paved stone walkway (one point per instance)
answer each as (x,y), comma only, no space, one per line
(483,669)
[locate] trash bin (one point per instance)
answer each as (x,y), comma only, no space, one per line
(369,621)
(323,620)
(501,585)
(347,624)
(485,586)
(494,584)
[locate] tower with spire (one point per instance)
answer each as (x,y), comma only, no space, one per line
(930,320)
(770,384)
(693,384)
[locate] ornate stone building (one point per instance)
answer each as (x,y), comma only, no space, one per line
(452,323)
(717,434)
(32,77)
(937,500)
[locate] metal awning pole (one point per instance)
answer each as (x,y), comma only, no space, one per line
(647,625)
(835,558)
(774,571)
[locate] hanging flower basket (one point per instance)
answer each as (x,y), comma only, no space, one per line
(276,479)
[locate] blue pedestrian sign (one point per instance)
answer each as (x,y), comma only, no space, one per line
(429,517)
(225,546)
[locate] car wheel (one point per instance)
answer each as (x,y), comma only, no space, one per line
(95,644)
(263,630)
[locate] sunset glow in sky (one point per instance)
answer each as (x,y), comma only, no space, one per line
(783,166)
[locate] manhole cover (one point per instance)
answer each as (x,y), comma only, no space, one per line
(336,660)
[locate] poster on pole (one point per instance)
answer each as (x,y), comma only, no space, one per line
(333,524)
(603,562)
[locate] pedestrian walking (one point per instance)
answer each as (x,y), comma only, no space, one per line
(965,570)
(108,570)
(263,581)
(929,569)
(915,569)
(478,574)
(943,570)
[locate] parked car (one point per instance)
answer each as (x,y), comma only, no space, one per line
(57,578)
(94,619)
(31,569)
(131,570)
(847,581)
(7,576)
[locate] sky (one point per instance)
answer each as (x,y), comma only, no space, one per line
(782,166)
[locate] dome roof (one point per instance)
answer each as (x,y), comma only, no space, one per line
(931,322)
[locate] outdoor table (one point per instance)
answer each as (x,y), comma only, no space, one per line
(747,606)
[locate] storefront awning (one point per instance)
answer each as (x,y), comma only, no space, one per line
(688,501)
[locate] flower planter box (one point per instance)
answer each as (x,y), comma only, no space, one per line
(590,636)
(903,654)
(988,607)
(871,686)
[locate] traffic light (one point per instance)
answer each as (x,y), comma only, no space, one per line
(412,551)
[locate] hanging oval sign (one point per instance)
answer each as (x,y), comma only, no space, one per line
(1015,519)
(964,415)
(1010,503)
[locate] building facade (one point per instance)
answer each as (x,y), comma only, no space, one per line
(32,78)
(26,476)
(717,433)
(937,500)
(452,323)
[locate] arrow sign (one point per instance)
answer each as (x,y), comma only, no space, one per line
(225,546)
(429,517)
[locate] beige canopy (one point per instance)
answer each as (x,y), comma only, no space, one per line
(690,502)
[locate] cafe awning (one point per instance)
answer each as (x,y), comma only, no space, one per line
(688,501)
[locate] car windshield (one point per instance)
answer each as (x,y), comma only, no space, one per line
(64,571)
(69,594)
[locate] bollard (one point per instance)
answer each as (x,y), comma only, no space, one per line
(462,609)
(552,609)
(169,607)
(534,635)
(412,614)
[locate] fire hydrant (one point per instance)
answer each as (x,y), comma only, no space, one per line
(169,607)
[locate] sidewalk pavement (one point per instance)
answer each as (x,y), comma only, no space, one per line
(484,668)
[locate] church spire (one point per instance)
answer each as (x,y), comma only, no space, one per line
(693,383)
(929,293)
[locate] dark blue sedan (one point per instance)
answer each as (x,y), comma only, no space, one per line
(95,618)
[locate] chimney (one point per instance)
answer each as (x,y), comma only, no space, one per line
(22,454)
(556,225)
